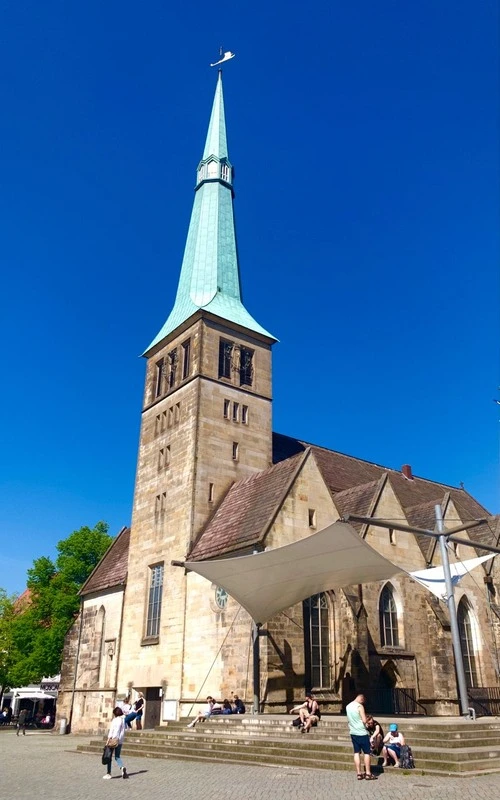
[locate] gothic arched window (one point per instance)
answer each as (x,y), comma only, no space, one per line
(317,641)
(464,617)
(389,636)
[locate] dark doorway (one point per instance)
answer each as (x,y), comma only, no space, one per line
(152,713)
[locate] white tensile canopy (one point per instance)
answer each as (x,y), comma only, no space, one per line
(267,583)
(433,579)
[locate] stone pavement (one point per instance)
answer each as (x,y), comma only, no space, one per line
(42,765)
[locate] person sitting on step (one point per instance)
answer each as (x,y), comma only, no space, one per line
(204,714)
(393,742)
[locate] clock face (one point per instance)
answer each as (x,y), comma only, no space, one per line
(221,597)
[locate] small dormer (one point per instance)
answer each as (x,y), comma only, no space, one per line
(213,168)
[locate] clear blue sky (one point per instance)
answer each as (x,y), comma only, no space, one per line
(365,141)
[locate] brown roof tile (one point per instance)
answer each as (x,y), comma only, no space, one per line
(112,568)
(246,512)
(357,500)
(343,472)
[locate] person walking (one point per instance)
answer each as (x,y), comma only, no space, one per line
(135,713)
(356,719)
(116,735)
(21,721)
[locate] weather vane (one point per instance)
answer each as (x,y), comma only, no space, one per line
(223,56)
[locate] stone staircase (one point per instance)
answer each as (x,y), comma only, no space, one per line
(441,746)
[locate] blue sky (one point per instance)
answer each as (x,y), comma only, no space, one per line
(365,143)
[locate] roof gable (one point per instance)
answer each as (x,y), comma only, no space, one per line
(112,568)
(247,511)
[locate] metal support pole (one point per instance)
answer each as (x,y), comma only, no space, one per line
(256,667)
(455,634)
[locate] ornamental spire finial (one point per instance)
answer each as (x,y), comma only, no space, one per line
(223,56)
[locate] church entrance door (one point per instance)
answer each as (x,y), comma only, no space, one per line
(152,714)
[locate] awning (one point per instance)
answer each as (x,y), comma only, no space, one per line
(267,583)
(433,579)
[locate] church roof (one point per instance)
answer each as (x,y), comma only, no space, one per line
(249,507)
(343,472)
(210,275)
(247,511)
(112,568)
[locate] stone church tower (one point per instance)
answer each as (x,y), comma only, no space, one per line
(206,420)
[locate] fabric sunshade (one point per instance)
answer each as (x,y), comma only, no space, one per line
(267,583)
(433,579)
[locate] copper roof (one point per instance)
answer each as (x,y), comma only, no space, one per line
(112,568)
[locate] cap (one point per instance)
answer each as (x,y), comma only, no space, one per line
(393,727)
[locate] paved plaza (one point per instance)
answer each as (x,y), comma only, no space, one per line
(44,765)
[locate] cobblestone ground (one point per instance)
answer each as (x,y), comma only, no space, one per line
(41,765)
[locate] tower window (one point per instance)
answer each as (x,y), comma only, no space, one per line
(154,600)
(210,492)
(160,372)
(212,169)
(236,412)
(312,518)
(225,357)
(227,406)
(172,368)
(161,458)
(186,358)
(225,172)
(177,412)
(392,536)
(246,366)
(235,451)
(244,415)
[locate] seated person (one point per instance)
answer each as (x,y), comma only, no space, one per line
(376,734)
(226,707)
(205,714)
(308,712)
(238,705)
(392,746)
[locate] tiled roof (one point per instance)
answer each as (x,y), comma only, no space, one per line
(112,568)
(357,500)
(343,472)
(247,511)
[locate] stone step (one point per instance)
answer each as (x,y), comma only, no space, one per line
(468,768)
(479,737)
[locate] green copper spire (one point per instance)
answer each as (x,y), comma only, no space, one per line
(209,278)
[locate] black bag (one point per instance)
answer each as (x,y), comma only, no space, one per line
(406,758)
(107,754)
(297,722)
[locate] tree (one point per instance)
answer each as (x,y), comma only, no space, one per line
(38,626)
(6,613)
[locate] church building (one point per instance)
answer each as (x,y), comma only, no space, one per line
(213,480)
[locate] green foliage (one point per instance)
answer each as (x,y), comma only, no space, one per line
(6,613)
(35,629)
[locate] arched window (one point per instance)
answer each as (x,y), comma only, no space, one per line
(389,636)
(317,641)
(467,642)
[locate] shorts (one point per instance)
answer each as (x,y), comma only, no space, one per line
(396,748)
(361,744)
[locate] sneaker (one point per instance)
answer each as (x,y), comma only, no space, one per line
(191,725)
(124,773)
(106,777)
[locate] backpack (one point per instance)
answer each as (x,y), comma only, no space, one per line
(406,758)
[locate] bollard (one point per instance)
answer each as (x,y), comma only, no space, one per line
(63,722)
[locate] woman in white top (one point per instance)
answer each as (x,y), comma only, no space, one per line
(116,732)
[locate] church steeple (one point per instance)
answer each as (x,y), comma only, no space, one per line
(210,278)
